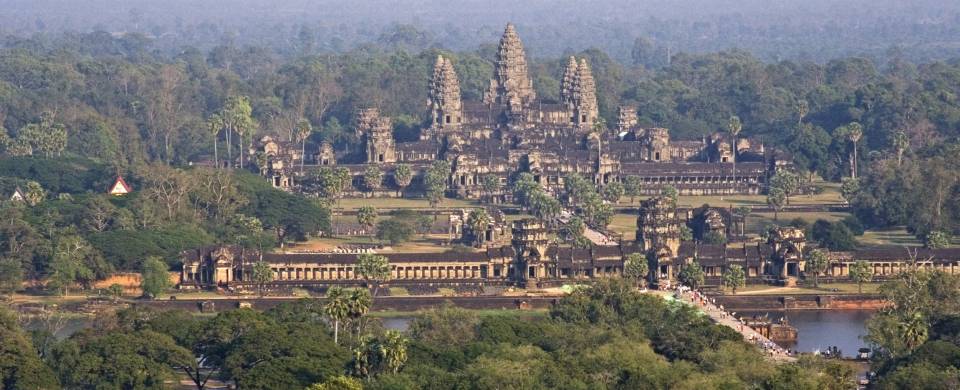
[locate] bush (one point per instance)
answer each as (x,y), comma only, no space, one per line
(395,231)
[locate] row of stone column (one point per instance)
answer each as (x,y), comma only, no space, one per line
(893,268)
(397,272)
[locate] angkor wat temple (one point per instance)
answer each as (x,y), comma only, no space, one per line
(532,259)
(512,131)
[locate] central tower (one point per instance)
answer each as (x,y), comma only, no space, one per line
(511,84)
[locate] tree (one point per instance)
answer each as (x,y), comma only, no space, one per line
(367,217)
(301,132)
(854,134)
(99,213)
(261,274)
(632,187)
(860,273)
(635,267)
(395,231)
(478,221)
(337,308)
(914,331)
(734,277)
(72,259)
(340,382)
(900,143)
(436,182)
(373,268)
(119,359)
(936,240)
(393,350)
(11,275)
(238,116)
(786,182)
(489,184)
(154,277)
(372,178)
(332,181)
(402,176)
(33,193)
(215,124)
(817,263)
(613,192)
(692,275)
(671,193)
(20,365)
(776,199)
(849,189)
(115,290)
(734,126)
(359,302)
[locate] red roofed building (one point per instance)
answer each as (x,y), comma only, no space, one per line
(120,187)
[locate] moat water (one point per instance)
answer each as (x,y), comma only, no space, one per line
(819,329)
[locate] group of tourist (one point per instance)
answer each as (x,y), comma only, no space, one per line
(710,307)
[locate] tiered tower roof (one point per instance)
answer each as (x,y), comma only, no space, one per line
(567,83)
(511,83)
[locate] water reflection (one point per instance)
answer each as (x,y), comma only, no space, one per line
(819,329)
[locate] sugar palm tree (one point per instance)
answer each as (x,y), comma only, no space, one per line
(337,308)
(854,134)
(914,331)
(393,350)
(301,132)
(734,127)
(478,220)
(215,126)
(358,303)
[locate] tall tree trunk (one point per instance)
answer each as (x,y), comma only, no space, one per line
(303,154)
(336,331)
(216,156)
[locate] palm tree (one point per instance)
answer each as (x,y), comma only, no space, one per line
(393,350)
(358,303)
(301,132)
(214,126)
(914,331)
(734,128)
(854,134)
(478,220)
(337,308)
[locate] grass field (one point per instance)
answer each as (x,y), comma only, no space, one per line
(625,224)
(419,244)
(825,288)
(895,236)
(397,203)
(830,195)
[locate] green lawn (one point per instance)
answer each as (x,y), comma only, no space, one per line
(625,224)
(419,244)
(825,288)
(397,203)
(830,195)
(894,236)
(757,221)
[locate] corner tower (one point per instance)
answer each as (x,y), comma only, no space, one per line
(511,82)
(584,96)
(446,107)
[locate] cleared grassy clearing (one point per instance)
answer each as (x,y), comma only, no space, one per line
(893,236)
(419,244)
(398,203)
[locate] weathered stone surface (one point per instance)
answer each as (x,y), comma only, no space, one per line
(511,84)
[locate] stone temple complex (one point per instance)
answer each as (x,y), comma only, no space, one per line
(510,131)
